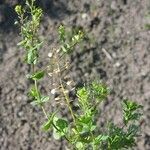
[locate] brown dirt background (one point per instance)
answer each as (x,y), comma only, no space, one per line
(118,26)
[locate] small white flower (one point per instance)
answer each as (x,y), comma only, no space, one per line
(57,98)
(57,71)
(69,82)
(50,54)
(53,91)
(50,74)
(58,50)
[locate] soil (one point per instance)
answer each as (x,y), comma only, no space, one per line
(117,51)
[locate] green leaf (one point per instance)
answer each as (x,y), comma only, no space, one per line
(44,99)
(129,110)
(56,134)
(41,101)
(79,145)
(132,130)
(61,31)
(38,75)
(22,43)
(30,57)
(32,52)
(85,119)
(118,138)
(83,95)
(93,127)
(64,49)
(77,37)
(99,90)
(47,125)
(100,139)
(130,105)
(18,9)
(34,94)
(38,46)
(61,124)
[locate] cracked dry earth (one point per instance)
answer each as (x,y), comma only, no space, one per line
(117,52)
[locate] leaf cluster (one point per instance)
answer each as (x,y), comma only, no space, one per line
(130,111)
(124,137)
(81,132)
(84,133)
(67,44)
(29,19)
(34,93)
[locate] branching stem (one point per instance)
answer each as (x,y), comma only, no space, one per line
(64,93)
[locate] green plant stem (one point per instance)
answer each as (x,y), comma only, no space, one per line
(44,111)
(53,123)
(67,101)
(59,131)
